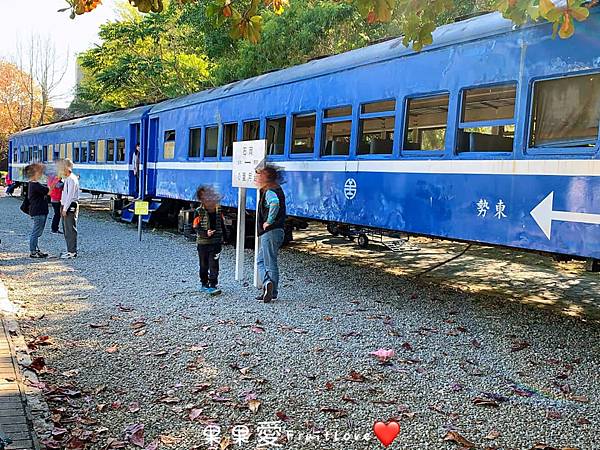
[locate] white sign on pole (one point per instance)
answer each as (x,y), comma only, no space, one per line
(247,157)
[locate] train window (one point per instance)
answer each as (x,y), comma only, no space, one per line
(303,134)
(110,150)
(76,152)
(336,138)
(101,147)
(169,145)
(84,152)
(61,152)
(566,112)
(50,152)
(487,120)
(376,134)
(92,151)
(344,111)
(195,142)
(211,142)
(44,153)
(120,150)
(229,137)
(375,107)
(276,136)
(70,151)
(251,130)
(426,123)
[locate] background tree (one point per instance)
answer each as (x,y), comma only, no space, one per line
(17,110)
(41,72)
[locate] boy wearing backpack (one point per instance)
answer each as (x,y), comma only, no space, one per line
(209,224)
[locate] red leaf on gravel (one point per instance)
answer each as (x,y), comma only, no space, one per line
(355,376)
(134,433)
(549,447)
(329,386)
(113,349)
(115,405)
(583,421)
(454,436)
(75,443)
(282,416)
(522,392)
(37,364)
(518,344)
(407,346)
(553,414)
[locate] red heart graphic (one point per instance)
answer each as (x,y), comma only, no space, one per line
(386,432)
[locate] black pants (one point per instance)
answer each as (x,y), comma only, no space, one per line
(56,217)
(208,256)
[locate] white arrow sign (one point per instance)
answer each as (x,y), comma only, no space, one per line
(544,215)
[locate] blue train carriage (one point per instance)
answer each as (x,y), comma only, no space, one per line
(100,146)
(488,135)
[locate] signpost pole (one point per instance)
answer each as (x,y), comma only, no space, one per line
(241,234)
(140,228)
(257,282)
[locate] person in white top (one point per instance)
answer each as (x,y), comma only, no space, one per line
(135,162)
(69,208)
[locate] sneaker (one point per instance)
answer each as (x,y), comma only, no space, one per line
(213,291)
(41,254)
(204,288)
(35,255)
(68,255)
(57,232)
(268,295)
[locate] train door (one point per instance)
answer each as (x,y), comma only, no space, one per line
(152,157)
(134,140)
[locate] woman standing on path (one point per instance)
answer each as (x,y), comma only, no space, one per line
(271,222)
(38,207)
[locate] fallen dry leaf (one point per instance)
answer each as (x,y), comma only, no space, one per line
(337,413)
(483,401)
(355,376)
(225,443)
(99,325)
(160,353)
(124,308)
(71,373)
(37,364)
(518,344)
(113,349)
(383,355)
(253,405)
(492,435)
(195,413)
(133,407)
(169,400)
(257,329)
(134,433)
(168,440)
(455,436)
(153,445)
(282,416)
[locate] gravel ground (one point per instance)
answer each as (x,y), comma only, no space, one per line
(128,328)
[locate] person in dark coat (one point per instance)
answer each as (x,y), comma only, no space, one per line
(38,207)
(209,224)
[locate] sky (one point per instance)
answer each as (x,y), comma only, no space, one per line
(19,19)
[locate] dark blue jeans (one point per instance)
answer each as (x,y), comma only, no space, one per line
(269,245)
(39,223)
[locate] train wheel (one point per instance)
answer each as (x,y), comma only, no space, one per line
(363,240)
(333,229)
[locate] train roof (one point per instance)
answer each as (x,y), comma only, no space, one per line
(466,30)
(98,119)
